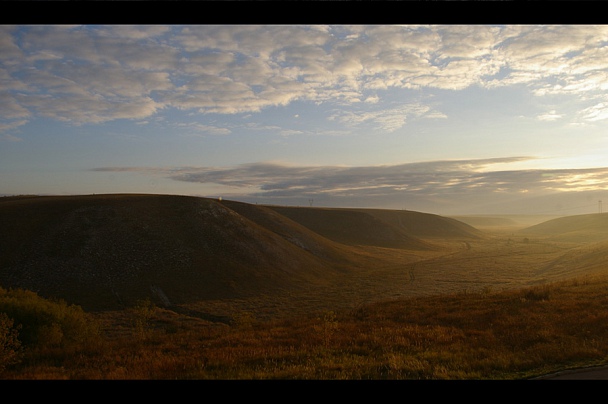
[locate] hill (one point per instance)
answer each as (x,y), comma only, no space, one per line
(380,228)
(589,259)
(292,231)
(426,225)
(576,228)
(107,251)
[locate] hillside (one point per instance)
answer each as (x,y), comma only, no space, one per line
(576,228)
(371,227)
(486,221)
(426,225)
(589,259)
(292,231)
(107,251)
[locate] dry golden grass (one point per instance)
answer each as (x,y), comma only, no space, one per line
(505,335)
(501,261)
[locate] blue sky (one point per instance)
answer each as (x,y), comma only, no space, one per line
(448,119)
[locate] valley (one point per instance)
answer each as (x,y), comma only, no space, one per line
(217,260)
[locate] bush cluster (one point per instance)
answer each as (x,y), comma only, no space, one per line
(29,321)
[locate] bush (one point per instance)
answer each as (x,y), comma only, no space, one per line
(45,322)
(10,346)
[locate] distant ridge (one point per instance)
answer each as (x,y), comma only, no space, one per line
(578,228)
(426,225)
(382,228)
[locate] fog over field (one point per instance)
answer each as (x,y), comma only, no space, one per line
(449,119)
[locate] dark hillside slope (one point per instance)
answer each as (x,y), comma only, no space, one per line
(352,227)
(426,225)
(107,251)
(576,228)
(292,231)
(377,227)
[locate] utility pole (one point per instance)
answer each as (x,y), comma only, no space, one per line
(599,207)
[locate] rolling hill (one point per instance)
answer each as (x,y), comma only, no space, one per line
(576,228)
(376,227)
(426,225)
(105,252)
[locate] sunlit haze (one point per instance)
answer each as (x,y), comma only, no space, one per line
(447,119)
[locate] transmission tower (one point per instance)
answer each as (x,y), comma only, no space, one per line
(599,206)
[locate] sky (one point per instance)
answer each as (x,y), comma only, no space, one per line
(446,119)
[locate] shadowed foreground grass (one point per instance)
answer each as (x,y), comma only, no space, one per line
(502,335)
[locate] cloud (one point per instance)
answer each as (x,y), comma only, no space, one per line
(460,182)
(9,138)
(9,51)
(87,108)
(549,116)
(386,119)
(200,129)
(103,73)
(597,112)
(5,127)
(11,108)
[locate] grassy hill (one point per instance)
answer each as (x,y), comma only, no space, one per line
(380,228)
(107,251)
(293,232)
(426,225)
(576,228)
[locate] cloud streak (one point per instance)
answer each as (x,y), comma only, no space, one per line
(464,181)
